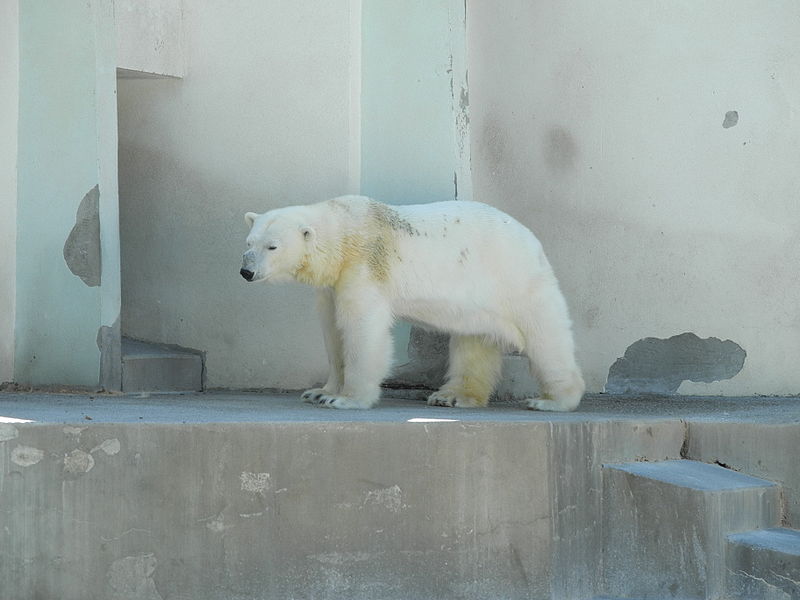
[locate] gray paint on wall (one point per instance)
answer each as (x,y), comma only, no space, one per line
(659,366)
(109,342)
(82,248)
(731,119)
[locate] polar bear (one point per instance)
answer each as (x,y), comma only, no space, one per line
(461,267)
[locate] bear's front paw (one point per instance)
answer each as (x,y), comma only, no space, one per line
(448,398)
(334,401)
(313,395)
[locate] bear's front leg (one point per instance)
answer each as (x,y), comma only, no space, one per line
(364,319)
(326,307)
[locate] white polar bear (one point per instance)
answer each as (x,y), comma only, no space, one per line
(461,267)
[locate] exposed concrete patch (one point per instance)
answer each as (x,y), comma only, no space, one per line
(110,447)
(390,498)
(731,119)
(78,462)
(109,342)
(73,431)
(82,248)
(131,578)
(25,456)
(658,366)
(256,483)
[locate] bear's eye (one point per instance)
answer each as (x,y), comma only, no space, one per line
(272,247)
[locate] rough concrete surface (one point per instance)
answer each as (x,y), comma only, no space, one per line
(665,525)
(256,496)
(765,564)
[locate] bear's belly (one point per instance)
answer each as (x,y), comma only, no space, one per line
(455,319)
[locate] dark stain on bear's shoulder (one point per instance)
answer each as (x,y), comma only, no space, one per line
(386,216)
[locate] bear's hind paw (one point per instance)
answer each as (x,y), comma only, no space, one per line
(446,398)
(551,405)
(331,401)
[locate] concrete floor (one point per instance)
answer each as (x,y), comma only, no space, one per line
(255,407)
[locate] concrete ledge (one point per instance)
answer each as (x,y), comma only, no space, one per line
(252,496)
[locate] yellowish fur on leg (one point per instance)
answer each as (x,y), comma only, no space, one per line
(475,364)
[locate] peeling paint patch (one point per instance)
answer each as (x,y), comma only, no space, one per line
(73,431)
(82,248)
(218,524)
(109,342)
(25,456)
(8,432)
(390,498)
(659,366)
(131,578)
(731,119)
(341,558)
(110,447)
(78,462)
(256,483)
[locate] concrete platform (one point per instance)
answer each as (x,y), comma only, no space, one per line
(251,496)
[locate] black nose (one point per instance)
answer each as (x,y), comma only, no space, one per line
(247,274)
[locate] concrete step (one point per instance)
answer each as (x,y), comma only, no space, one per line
(666,524)
(149,367)
(764,564)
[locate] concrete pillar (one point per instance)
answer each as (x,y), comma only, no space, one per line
(414,102)
(67,281)
(9,112)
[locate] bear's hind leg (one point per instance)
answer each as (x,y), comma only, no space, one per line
(551,352)
(364,319)
(472,374)
(326,307)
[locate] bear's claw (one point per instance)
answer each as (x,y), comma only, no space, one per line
(312,395)
(452,399)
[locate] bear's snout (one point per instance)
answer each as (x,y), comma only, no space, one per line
(246,274)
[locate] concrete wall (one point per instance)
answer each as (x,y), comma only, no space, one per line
(653,148)
(9,116)
(67,285)
(260,120)
(149,37)
(305,510)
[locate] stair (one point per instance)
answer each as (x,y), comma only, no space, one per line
(149,367)
(666,526)
(764,564)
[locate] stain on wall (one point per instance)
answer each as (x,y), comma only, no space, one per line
(82,248)
(659,366)
(561,149)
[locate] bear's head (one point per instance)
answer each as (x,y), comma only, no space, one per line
(278,244)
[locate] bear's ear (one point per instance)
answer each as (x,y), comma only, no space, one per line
(308,233)
(249,218)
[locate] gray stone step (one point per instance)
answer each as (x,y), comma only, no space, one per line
(764,564)
(666,524)
(148,367)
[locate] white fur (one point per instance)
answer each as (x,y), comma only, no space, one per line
(465,268)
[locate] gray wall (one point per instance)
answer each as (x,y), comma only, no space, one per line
(260,120)
(607,127)
(9,113)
